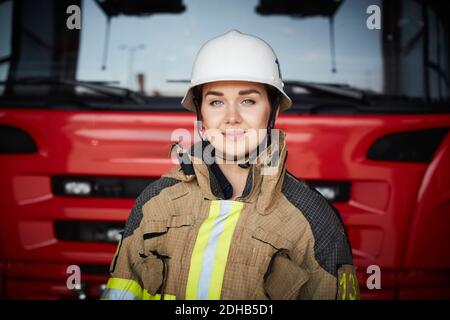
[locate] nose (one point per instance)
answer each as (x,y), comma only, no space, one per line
(233,114)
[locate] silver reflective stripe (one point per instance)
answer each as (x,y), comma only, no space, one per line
(211,250)
(116,294)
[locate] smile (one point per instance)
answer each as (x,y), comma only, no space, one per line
(234,134)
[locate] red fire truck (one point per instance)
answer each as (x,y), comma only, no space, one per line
(87,116)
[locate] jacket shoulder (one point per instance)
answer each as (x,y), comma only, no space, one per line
(151,191)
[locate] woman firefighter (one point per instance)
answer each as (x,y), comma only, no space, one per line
(225,226)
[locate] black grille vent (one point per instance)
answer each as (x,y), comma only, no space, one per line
(88,231)
(414,146)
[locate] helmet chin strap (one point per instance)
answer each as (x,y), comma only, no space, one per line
(272,116)
(244,165)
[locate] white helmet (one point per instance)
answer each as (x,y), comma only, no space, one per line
(236,56)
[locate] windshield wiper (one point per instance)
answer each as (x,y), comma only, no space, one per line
(335,90)
(101,87)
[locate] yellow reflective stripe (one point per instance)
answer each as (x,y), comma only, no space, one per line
(210,254)
(134,288)
(343,284)
(125,285)
(199,249)
(220,261)
(148,296)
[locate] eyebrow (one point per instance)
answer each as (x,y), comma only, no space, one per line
(249,91)
(242,92)
(214,93)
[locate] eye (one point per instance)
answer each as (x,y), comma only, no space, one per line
(215,103)
(248,101)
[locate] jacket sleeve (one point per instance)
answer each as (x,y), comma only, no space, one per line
(324,250)
(124,283)
(135,272)
(334,276)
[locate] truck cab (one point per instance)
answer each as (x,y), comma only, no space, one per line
(88,115)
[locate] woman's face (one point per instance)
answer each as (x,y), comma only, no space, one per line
(235,115)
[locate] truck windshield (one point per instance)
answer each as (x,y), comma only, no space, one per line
(149,50)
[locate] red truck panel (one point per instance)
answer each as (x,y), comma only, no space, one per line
(397,216)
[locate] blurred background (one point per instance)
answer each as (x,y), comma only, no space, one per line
(86,118)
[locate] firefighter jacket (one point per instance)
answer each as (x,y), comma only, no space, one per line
(185,239)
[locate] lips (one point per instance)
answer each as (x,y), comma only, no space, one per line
(234,134)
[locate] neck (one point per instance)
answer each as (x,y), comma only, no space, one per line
(236,175)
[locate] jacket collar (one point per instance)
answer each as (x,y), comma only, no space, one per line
(263,180)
